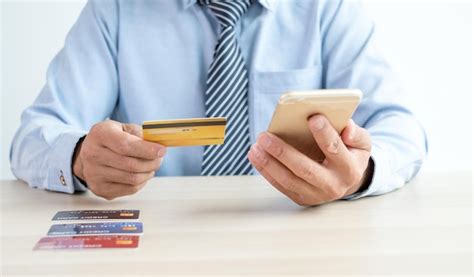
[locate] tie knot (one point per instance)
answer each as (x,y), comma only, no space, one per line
(228,12)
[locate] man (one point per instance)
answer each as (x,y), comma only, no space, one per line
(139,60)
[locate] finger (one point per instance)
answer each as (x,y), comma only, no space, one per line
(133,129)
(124,177)
(300,164)
(355,136)
(112,190)
(126,144)
(109,158)
(329,141)
(293,196)
(283,176)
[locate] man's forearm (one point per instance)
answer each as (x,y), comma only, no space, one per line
(41,154)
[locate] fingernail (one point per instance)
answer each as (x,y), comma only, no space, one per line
(333,147)
(351,130)
(257,151)
(162,152)
(265,140)
(318,123)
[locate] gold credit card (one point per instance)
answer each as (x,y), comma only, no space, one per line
(186,132)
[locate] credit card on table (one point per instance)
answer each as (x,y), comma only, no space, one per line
(186,132)
(96,228)
(87,242)
(96,214)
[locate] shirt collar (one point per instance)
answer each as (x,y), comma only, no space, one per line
(268,4)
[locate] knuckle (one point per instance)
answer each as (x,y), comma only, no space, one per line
(333,146)
(264,161)
(98,128)
(123,146)
(95,128)
(335,192)
(277,150)
(288,182)
(98,132)
(272,181)
(133,179)
(305,171)
(130,165)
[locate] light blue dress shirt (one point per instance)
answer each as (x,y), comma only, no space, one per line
(147,59)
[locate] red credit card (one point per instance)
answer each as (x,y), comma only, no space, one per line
(87,242)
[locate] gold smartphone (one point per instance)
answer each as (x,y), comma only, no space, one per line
(290,119)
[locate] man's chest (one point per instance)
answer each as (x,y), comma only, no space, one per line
(164,60)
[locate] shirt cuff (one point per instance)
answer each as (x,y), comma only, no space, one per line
(60,177)
(380,175)
(78,184)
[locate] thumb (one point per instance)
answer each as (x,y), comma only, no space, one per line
(133,129)
(355,136)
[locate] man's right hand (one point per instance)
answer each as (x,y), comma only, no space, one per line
(115,161)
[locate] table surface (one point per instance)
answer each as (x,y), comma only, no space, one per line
(241,225)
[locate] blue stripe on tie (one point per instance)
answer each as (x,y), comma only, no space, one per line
(233,131)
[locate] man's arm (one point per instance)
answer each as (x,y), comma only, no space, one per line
(351,60)
(81,89)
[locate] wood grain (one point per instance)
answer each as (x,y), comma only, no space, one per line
(241,225)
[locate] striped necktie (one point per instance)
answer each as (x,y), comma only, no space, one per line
(226,94)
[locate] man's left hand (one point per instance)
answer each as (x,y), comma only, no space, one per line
(344,171)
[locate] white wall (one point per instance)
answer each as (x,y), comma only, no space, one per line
(32,33)
(429,44)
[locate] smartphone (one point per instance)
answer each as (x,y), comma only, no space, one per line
(290,119)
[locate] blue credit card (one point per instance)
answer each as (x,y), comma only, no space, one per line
(99,228)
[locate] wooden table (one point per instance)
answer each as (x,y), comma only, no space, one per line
(241,225)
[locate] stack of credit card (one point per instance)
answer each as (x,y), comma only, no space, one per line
(186,132)
(86,229)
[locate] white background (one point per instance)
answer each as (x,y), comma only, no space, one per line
(429,44)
